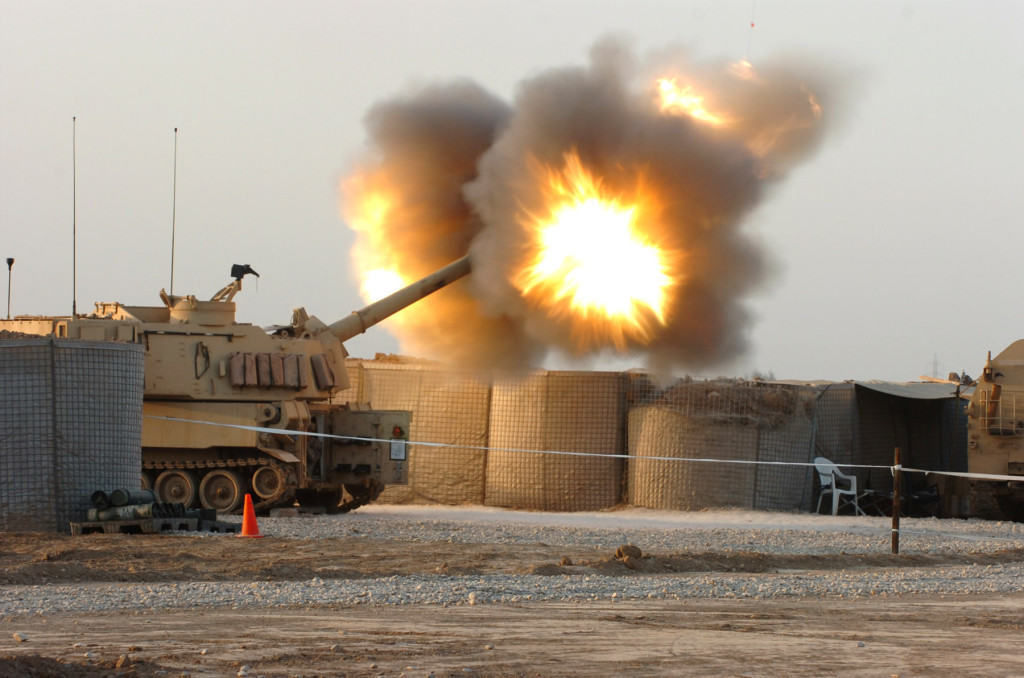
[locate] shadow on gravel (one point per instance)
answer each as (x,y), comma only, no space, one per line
(34,666)
(629,565)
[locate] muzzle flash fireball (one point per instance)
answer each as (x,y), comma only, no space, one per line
(592,261)
(602,208)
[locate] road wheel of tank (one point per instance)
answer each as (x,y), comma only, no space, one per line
(220,490)
(175,486)
(268,482)
(146,481)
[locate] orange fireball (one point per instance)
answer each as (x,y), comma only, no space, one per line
(676,99)
(592,259)
(370,206)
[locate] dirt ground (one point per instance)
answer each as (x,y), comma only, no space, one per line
(904,636)
(58,559)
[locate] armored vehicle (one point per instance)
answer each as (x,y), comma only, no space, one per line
(230,408)
(995,428)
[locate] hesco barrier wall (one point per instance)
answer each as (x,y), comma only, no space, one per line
(70,423)
(789,436)
(624,438)
(724,420)
(449,407)
(562,412)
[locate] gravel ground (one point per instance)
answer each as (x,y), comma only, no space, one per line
(446,590)
(659,531)
(654,532)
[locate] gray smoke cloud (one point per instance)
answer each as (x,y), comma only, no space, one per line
(461,167)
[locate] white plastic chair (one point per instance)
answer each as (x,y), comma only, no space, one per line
(832,482)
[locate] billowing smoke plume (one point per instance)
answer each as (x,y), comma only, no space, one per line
(688,148)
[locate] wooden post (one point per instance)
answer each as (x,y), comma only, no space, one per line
(896,501)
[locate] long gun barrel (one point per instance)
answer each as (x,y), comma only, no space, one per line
(359,321)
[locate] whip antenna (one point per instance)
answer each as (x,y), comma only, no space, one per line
(74,218)
(174,204)
(10,265)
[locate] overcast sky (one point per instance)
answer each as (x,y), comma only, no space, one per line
(897,245)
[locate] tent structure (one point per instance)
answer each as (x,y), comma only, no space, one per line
(862,422)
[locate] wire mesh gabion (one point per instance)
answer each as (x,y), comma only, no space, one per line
(70,423)
(734,421)
(563,412)
(449,407)
(788,439)
(661,432)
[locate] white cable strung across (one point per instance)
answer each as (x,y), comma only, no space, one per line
(483,448)
(965,474)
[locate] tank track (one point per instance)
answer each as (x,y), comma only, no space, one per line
(204,464)
(208,464)
(360,495)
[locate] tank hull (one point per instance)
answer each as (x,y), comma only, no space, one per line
(210,455)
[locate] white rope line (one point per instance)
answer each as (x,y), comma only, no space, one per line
(964,474)
(484,448)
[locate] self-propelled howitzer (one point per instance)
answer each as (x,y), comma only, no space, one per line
(222,399)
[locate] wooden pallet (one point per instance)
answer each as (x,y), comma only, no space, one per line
(152,526)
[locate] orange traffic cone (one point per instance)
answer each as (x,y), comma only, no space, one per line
(249,526)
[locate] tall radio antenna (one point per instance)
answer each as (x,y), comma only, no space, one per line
(10,265)
(174,204)
(74,217)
